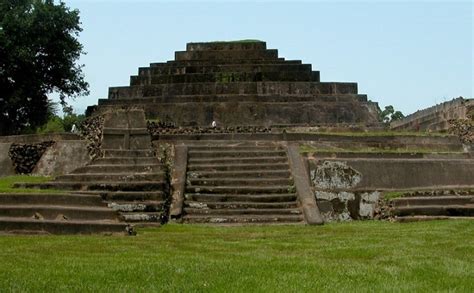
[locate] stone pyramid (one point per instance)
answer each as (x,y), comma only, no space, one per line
(240,83)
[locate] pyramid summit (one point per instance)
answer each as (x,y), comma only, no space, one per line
(238,83)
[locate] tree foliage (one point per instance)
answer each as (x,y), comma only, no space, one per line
(389,114)
(39,51)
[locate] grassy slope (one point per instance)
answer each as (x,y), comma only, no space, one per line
(350,257)
(6,184)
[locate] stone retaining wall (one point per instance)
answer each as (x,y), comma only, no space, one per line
(60,158)
(347,189)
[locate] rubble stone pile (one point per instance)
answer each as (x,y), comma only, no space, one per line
(157,128)
(464,128)
(91,130)
(26,156)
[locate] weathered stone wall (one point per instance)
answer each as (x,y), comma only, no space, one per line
(436,117)
(6,164)
(62,158)
(232,113)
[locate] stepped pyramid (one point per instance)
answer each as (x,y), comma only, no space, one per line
(240,83)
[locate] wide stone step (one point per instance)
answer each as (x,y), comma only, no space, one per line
(243,219)
(170,69)
(218,55)
(112,177)
(128,195)
(125,161)
(247,211)
(52,212)
(234,45)
(432,200)
(222,182)
(238,189)
(436,210)
(279,60)
(238,167)
(233,146)
(136,206)
(109,186)
(29,225)
(285,173)
(236,153)
(184,92)
(231,160)
(119,169)
(225,77)
(51,199)
(241,205)
(235,197)
(114,153)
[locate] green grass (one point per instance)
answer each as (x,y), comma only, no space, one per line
(393,194)
(313,149)
(368,256)
(380,133)
(6,184)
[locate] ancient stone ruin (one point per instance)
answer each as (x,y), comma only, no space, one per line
(240,84)
(231,133)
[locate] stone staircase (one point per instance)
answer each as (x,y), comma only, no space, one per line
(239,184)
(432,205)
(130,182)
(50,213)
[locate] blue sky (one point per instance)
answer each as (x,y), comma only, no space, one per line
(408,54)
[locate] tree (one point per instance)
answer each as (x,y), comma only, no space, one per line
(39,51)
(389,114)
(70,118)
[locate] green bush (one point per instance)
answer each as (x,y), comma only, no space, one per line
(54,125)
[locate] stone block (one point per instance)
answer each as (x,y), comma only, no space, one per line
(226,55)
(214,46)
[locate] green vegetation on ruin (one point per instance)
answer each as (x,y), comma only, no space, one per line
(367,256)
(393,194)
(389,195)
(373,150)
(376,133)
(6,184)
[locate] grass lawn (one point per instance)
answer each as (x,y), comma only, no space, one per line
(345,257)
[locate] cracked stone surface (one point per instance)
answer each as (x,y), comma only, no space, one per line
(334,175)
(127,207)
